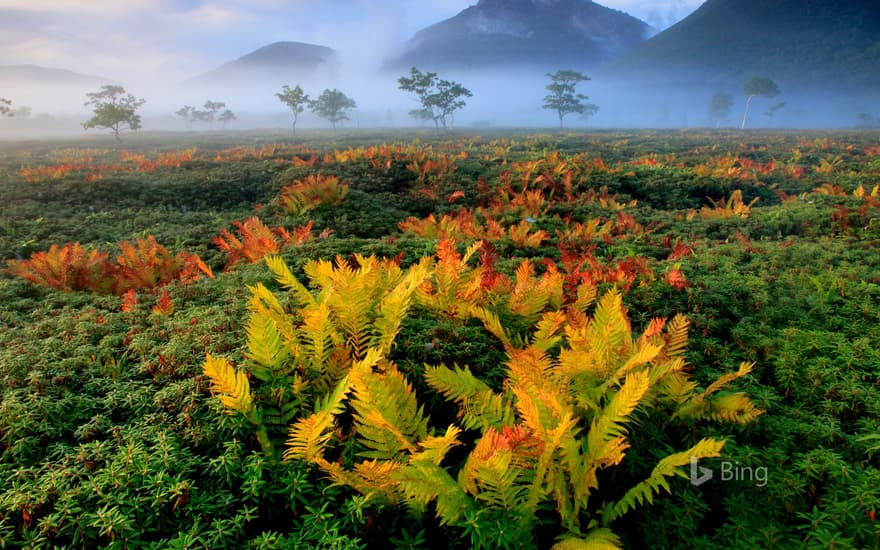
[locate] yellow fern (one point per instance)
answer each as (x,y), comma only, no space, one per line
(230,386)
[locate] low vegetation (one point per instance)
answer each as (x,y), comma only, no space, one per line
(510,341)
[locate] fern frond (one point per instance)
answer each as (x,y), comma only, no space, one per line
(493,324)
(457,384)
(667,467)
(308,437)
(609,331)
(424,481)
(724,379)
(677,336)
(596,539)
(285,277)
(394,306)
(374,479)
(735,408)
(266,348)
(608,425)
(230,386)
(547,330)
(388,417)
(434,448)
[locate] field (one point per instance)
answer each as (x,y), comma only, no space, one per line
(510,340)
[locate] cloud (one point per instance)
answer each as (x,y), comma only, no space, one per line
(135,40)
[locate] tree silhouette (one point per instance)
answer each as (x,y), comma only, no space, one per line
(563,97)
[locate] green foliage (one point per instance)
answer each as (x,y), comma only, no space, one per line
(296,99)
(108,436)
(333,106)
(439,98)
(563,97)
(114,109)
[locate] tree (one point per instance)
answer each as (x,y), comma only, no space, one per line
(563,97)
(719,107)
(114,109)
(188,114)
(439,98)
(211,109)
(226,117)
(5,107)
(772,110)
(296,99)
(758,86)
(332,105)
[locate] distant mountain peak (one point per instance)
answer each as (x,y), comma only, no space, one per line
(545,33)
(279,60)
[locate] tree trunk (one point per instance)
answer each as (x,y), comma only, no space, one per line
(561,125)
(746,115)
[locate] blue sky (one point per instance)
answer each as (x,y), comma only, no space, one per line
(134,39)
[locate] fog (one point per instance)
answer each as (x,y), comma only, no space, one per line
(502,98)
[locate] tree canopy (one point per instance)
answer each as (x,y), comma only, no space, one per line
(114,109)
(719,107)
(439,98)
(563,97)
(5,106)
(296,99)
(758,86)
(332,105)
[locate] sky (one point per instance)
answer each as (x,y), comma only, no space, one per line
(133,40)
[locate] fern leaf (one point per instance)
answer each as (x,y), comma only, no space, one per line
(424,481)
(376,480)
(266,348)
(667,467)
(394,306)
(434,448)
(285,277)
(493,324)
(388,418)
(597,539)
(308,437)
(724,379)
(677,336)
(230,386)
(458,384)
(608,425)
(547,330)
(735,408)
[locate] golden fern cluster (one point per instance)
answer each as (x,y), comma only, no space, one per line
(573,382)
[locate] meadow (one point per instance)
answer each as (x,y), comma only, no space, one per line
(432,340)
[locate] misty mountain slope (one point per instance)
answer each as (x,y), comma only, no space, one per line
(547,34)
(43,76)
(280,61)
(810,45)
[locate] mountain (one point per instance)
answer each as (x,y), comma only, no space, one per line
(280,61)
(36,75)
(548,34)
(804,45)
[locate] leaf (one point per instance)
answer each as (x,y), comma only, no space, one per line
(230,386)
(667,467)
(596,539)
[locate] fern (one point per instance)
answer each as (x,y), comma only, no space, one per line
(266,348)
(667,467)
(388,419)
(230,386)
(596,539)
